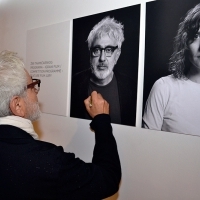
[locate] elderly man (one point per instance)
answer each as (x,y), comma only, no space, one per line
(32,169)
(104,43)
(173,103)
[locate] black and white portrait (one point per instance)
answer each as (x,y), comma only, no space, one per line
(105,59)
(172,66)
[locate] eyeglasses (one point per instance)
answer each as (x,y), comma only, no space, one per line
(35,85)
(96,51)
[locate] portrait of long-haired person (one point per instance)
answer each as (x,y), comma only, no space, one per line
(173,103)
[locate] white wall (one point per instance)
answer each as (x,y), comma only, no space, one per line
(155,165)
(1,24)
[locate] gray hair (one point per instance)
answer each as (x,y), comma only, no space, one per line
(109,26)
(13,80)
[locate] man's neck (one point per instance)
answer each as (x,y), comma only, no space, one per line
(102,82)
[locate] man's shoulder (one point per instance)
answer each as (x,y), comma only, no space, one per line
(80,82)
(125,80)
(50,151)
(16,137)
(120,74)
(82,74)
(43,145)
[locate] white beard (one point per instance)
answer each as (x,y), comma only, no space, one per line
(33,110)
(101,74)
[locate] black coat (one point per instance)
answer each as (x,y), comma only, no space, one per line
(127,90)
(32,169)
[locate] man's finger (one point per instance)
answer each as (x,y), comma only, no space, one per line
(93,94)
(90,102)
(87,102)
(99,96)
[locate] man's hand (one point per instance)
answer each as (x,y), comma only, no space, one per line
(96,104)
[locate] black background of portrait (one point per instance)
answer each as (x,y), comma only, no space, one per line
(162,20)
(128,60)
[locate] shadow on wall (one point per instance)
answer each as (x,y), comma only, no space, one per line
(37,128)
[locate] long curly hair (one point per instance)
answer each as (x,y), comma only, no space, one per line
(179,64)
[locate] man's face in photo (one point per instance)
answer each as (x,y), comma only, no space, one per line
(103,57)
(194,49)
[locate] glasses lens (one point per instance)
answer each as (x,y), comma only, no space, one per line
(35,85)
(109,51)
(36,88)
(96,51)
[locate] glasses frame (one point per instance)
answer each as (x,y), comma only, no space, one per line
(103,49)
(32,85)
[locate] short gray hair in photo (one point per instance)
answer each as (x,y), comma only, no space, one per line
(109,26)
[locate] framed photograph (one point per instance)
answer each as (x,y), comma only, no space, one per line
(92,58)
(170,90)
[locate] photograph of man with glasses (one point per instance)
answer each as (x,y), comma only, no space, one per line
(120,90)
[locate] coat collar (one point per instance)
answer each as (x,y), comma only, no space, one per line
(12,132)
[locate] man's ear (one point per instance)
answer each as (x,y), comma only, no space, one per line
(17,106)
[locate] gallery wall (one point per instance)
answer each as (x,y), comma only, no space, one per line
(1,25)
(155,165)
